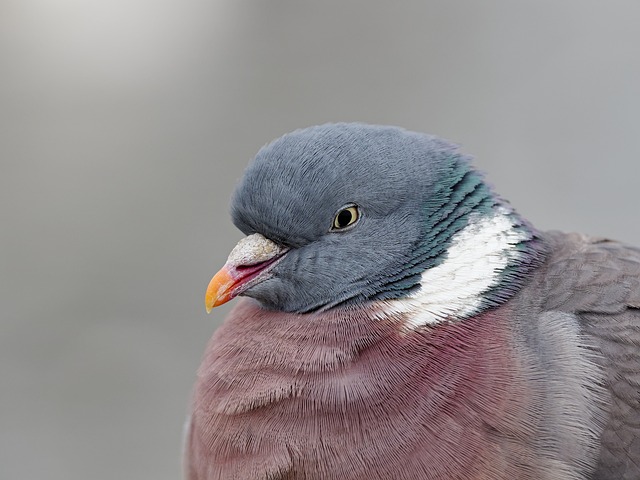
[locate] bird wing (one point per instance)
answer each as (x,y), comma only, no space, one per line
(599,281)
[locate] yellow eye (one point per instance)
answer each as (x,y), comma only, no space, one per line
(345,217)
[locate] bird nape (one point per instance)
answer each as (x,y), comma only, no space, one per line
(404,322)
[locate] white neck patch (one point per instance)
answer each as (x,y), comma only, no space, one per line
(473,264)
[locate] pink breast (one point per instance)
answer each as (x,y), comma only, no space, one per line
(343,394)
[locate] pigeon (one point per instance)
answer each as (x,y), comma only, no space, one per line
(399,320)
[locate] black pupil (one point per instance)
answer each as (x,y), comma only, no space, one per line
(344,218)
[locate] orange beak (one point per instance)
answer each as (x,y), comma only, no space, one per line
(249,263)
(232,280)
(219,289)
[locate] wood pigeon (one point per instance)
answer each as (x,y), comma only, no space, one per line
(403,322)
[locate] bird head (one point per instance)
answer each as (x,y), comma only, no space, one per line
(343,214)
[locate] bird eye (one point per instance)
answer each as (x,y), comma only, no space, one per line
(345,217)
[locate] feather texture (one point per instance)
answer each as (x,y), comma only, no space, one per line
(440,337)
(543,387)
(599,280)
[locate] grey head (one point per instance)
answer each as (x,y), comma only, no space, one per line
(363,211)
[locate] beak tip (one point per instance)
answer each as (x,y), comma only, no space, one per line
(218,291)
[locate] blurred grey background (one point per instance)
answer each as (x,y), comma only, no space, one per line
(124,125)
